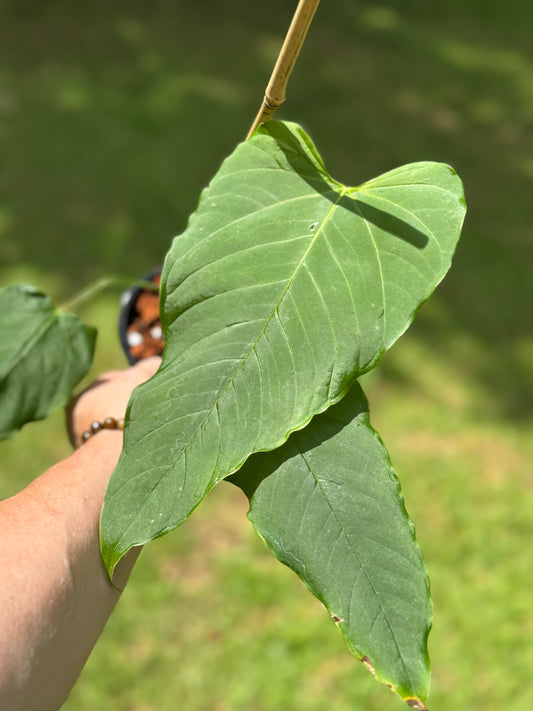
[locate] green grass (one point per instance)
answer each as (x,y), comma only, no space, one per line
(113,117)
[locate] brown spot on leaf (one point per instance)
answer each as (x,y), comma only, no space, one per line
(337,619)
(368,664)
(416,704)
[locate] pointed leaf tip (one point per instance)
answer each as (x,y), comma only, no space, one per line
(328,504)
(416,704)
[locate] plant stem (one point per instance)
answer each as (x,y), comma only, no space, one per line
(96,287)
(275,91)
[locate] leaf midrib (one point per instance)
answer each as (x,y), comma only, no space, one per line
(243,361)
(34,337)
(356,555)
(251,349)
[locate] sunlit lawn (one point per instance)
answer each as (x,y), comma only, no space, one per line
(112,119)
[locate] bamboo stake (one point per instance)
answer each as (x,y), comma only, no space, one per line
(275,91)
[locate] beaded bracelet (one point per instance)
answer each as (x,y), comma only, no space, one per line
(110,423)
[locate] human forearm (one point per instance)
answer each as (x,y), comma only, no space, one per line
(56,594)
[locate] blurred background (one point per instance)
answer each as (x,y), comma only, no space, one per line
(113,117)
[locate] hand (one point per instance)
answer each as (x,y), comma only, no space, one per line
(107,396)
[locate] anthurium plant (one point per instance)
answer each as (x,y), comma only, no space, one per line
(284,289)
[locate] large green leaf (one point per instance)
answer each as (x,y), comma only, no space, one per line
(285,286)
(44,353)
(328,505)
